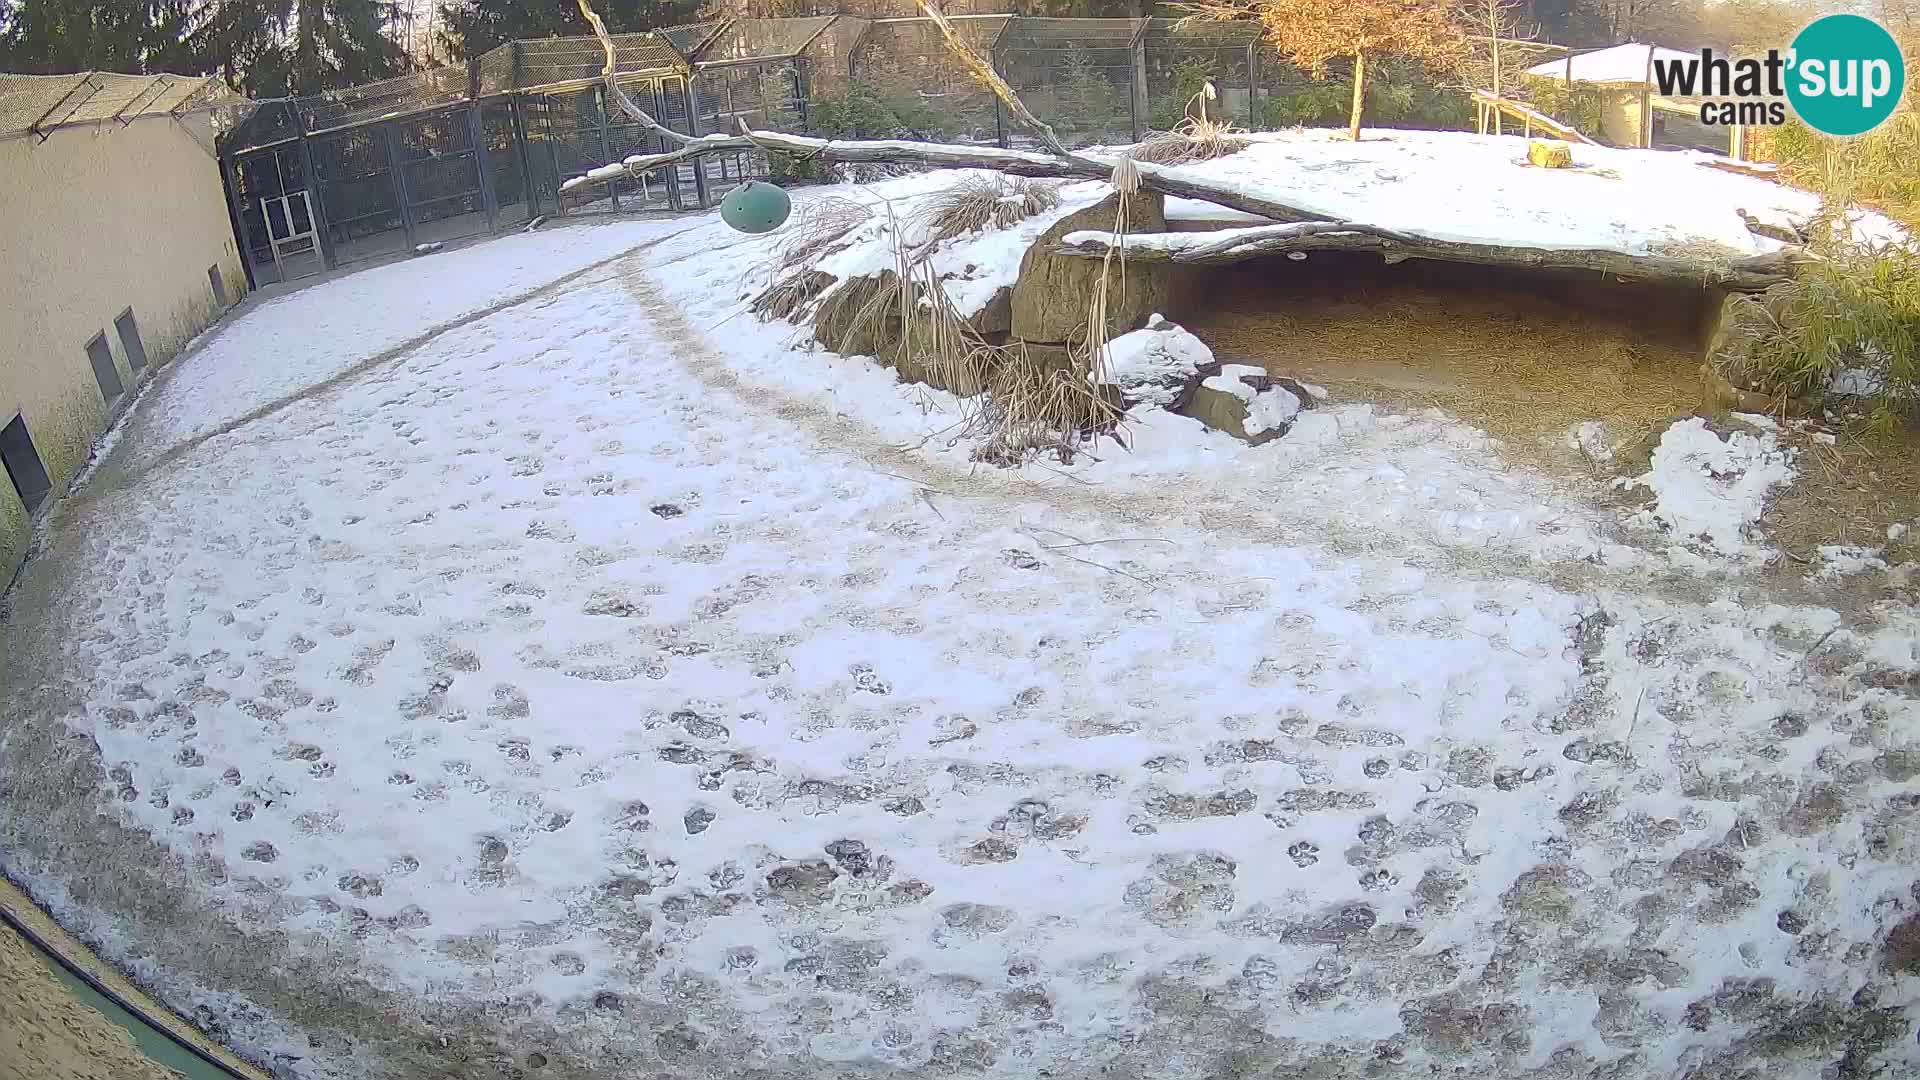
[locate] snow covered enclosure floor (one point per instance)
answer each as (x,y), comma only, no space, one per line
(609,683)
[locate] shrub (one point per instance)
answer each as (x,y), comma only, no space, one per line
(1856,310)
(1577,106)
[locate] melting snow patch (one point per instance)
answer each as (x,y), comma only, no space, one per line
(1840,560)
(1590,438)
(1271,409)
(1712,488)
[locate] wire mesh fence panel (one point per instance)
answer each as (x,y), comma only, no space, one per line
(665,100)
(903,82)
(1180,61)
(494,72)
(556,61)
(761,96)
(440,174)
(358,195)
(543,176)
(387,98)
(506,163)
(761,39)
(260,179)
(1077,75)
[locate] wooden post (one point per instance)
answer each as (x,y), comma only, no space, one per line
(1646,102)
(1737,143)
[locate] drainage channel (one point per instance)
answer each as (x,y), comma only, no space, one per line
(71,1006)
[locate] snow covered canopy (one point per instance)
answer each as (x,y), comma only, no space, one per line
(1629,63)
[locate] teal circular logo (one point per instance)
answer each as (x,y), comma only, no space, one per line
(1845,74)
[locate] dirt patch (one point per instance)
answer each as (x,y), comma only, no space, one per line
(1849,491)
(1524,356)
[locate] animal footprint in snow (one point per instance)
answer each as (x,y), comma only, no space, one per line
(666,510)
(867,680)
(1378,880)
(1304,853)
(1020,559)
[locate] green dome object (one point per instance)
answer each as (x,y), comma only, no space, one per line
(755,207)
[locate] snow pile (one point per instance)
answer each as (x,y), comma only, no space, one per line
(1713,488)
(1271,409)
(1152,365)
(1478,189)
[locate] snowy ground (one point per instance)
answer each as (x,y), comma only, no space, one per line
(605,686)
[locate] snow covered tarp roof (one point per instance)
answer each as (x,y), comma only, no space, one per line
(1620,64)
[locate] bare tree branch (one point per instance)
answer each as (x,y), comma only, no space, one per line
(983,71)
(627,104)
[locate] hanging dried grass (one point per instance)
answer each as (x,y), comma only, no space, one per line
(820,224)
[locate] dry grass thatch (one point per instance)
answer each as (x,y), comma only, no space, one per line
(984,201)
(1014,400)
(790,297)
(819,225)
(1193,139)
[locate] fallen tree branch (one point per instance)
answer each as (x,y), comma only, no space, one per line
(1167,180)
(1751,274)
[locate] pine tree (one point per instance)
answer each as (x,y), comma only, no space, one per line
(471,27)
(1313,32)
(266,48)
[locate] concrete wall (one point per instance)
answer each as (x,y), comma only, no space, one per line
(97,219)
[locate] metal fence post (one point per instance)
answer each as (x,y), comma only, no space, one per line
(230,180)
(397,171)
(553,158)
(477,134)
(316,203)
(1137,100)
(1253,84)
(527,185)
(606,143)
(999,124)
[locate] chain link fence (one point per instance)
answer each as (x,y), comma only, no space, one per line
(463,150)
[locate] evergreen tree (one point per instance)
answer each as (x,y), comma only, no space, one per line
(266,48)
(471,27)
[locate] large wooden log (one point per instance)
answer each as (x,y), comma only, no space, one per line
(1166,179)
(1750,274)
